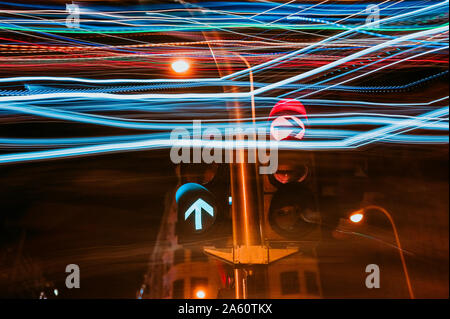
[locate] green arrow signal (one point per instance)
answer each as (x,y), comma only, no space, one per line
(197,208)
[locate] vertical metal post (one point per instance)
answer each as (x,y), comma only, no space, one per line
(244,191)
(240,279)
(244,216)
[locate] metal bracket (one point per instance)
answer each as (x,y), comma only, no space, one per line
(250,255)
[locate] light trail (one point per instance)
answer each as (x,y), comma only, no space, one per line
(127,79)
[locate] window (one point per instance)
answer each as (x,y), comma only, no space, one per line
(178,257)
(178,289)
(311,283)
(290,283)
(198,255)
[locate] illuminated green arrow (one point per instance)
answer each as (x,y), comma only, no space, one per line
(197,207)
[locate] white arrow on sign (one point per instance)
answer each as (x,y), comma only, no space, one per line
(287,125)
(197,208)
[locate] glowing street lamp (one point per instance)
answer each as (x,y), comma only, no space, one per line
(356,217)
(180,66)
(200,294)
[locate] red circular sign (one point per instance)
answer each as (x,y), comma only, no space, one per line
(287,125)
(288,106)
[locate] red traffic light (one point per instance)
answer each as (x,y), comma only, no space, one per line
(287,120)
(288,106)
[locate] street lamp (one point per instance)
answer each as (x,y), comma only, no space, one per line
(180,66)
(200,294)
(358,216)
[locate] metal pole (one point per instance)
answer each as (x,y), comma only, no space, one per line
(240,284)
(244,192)
(245,208)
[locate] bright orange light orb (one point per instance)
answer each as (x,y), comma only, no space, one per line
(356,217)
(200,294)
(180,66)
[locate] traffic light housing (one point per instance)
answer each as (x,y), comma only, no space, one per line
(203,205)
(291,211)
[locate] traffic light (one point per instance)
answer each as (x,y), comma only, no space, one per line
(203,205)
(288,118)
(291,212)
